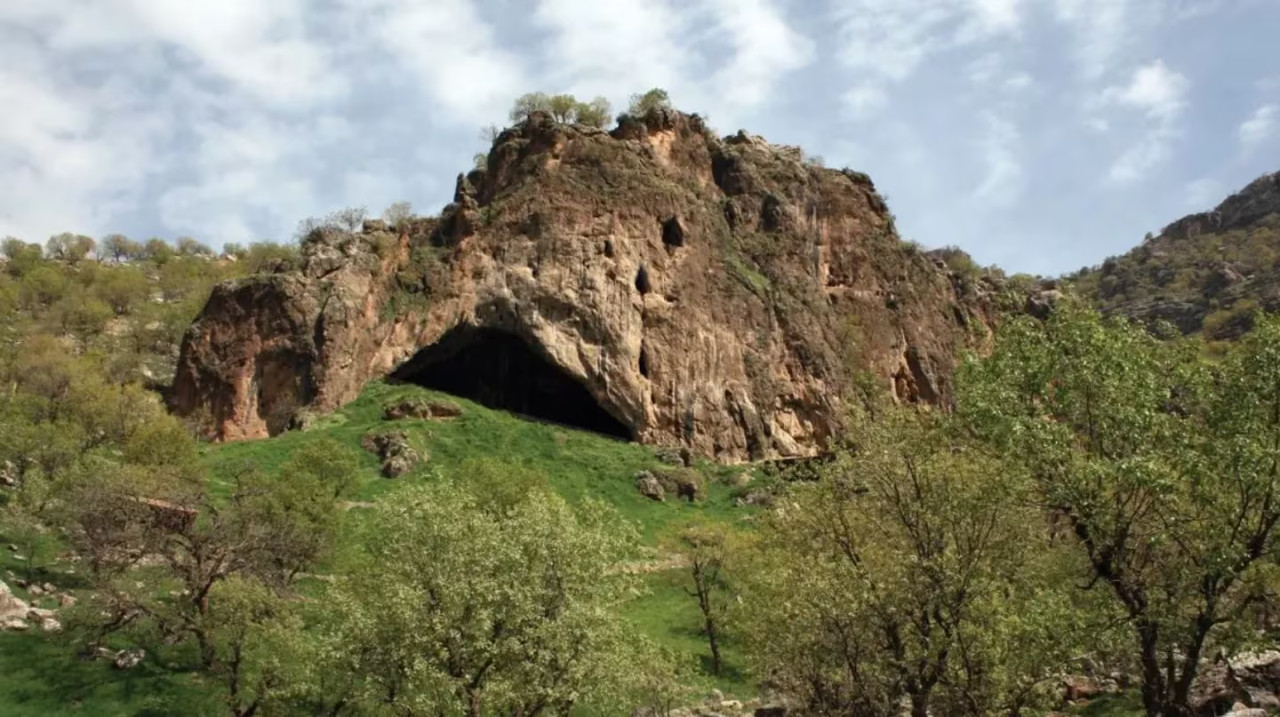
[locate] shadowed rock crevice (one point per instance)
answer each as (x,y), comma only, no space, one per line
(500,370)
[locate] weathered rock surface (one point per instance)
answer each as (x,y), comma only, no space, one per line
(1251,680)
(705,293)
(393,448)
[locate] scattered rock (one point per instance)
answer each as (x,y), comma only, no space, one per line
(35,591)
(683,482)
(737,480)
(427,409)
(129,659)
(66,600)
(48,588)
(1251,679)
(50,624)
(671,455)
(13,623)
(650,487)
(761,498)
(394,450)
(13,548)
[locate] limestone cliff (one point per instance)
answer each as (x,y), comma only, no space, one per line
(656,282)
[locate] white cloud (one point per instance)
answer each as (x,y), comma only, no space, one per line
(862,101)
(1154,89)
(764,49)
(1101,29)
(883,42)
(1202,194)
(452,49)
(1160,94)
(1259,127)
(614,49)
(1002,182)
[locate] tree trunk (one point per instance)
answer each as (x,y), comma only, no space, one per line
(1154,697)
(920,703)
(714,639)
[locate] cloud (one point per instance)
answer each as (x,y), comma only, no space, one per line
(1161,95)
(453,51)
(885,42)
(1002,182)
(1101,29)
(764,49)
(1203,193)
(1259,127)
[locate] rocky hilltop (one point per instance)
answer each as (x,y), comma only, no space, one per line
(1206,272)
(655,282)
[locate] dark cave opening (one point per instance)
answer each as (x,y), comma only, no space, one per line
(498,369)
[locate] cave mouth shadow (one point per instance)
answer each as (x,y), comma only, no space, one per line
(498,369)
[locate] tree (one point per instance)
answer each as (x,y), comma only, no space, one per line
(267,531)
(234,249)
(562,107)
(122,288)
(1162,468)
(188,246)
(157,251)
(867,584)
(69,248)
(462,606)
(704,547)
(398,213)
(42,286)
(119,247)
(595,113)
(23,257)
(652,101)
(529,103)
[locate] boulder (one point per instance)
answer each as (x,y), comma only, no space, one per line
(50,624)
(66,600)
(129,659)
(650,487)
(11,606)
(393,448)
(686,483)
(1251,679)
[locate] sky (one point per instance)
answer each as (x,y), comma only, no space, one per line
(1038,135)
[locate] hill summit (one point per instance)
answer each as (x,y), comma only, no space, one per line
(655,282)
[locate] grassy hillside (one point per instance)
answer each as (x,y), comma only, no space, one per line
(40,675)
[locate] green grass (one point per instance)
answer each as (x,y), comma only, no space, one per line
(40,675)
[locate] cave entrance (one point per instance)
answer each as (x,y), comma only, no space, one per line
(499,370)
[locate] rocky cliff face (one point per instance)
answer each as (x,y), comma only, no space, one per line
(1206,272)
(654,282)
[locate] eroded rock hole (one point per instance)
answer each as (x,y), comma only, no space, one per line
(672,233)
(643,284)
(644,362)
(499,370)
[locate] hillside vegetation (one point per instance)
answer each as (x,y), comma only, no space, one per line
(1092,525)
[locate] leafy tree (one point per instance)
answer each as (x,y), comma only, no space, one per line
(157,251)
(69,248)
(398,213)
(456,606)
(529,103)
(652,101)
(267,530)
(562,107)
(122,288)
(119,247)
(80,314)
(1163,469)
(868,584)
(187,246)
(23,257)
(595,113)
(42,286)
(233,249)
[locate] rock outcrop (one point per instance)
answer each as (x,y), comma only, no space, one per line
(655,282)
